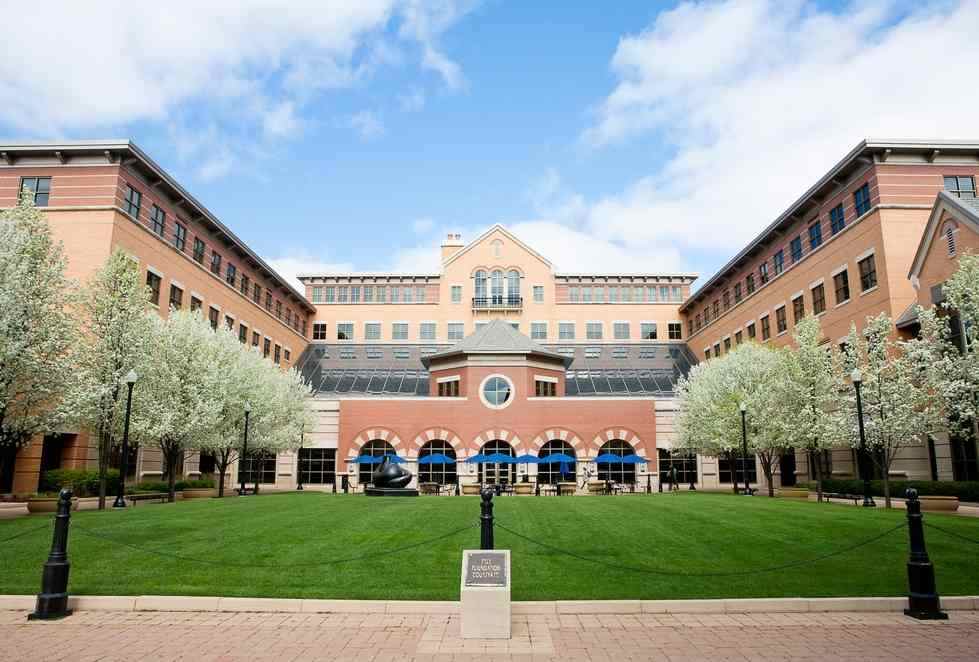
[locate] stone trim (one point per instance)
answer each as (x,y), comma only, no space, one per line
(501,434)
(376,433)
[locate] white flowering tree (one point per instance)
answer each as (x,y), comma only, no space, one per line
(36,329)
(176,404)
(115,326)
(808,393)
(901,403)
(959,370)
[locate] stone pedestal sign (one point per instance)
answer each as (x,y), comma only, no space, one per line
(485,594)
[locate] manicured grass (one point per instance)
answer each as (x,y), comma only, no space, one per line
(295,534)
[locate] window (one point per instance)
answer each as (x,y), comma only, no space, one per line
(766,331)
(399,331)
(277,355)
(449,389)
(426,331)
(355,294)
(153,282)
(257,468)
(179,236)
(815,236)
(242,334)
(456,293)
(131,201)
(617,472)
(267,347)
(593,331)
(818,299)
(599,294)
(868,273)
(198,251)
(586,294)
(762,275)
(737,293)
(545,389)
(798,309)
(573,294)
(158,220)
(749,283)
(497,391)
(343,293)
(961,187)
(651,295)
(229,322)
(420,294)
(40,189)
(795,249)
(245,285)
(593,352)
(707,352)
(456,331)
(684,463)
(647,330)
(841,285)
(726,298)
(286,354)
(538,330)
(738,337)
(345,331)
(382,293)
(278,309)
(779,262)
(268,300)
(372,330)
(717,349)
(717,309)
(675,330)
(565,330)
(781,324)
(676,293)
(837,219)
(195,304)
(550,473)
(861,199)
(176,297)
(257,293)
(620,330)
(727,344)
(216,263)
(395,294)
(256,337)
(318,466)
(212,317)
(319,330)
(751,330)
(231,274)
(369,294)
(744,468)
(613,294)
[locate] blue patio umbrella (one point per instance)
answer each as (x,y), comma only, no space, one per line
(376,459)
(527,458)
(478,457)
(500,458)
(634,459)
(563,458)
(437,458)
(609,458)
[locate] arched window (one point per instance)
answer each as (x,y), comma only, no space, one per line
(513,287)
(492,473)
(552,473)
(617,472)
(374,448)
(496,286)
(948,232)
(480,279)
(444,474)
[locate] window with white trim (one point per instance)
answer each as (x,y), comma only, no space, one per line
(399,331)
(455,331)
(593,330)
(345,331)
(566,331)
(648,330)
(319,330)
(538,294)
(372,330)
(538,330)
(426,331)
(620,330)
(456,292)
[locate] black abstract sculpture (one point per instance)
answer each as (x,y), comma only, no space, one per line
(390,479)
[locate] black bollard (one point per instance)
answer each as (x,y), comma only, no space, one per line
(649,488)
(458,493)
(659,484)
(52,601)
(334,484)
(486,519)
(346,483)
(693,488)
(923,600)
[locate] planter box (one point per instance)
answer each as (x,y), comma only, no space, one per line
(939,504)
(470,488)
(523,488)
(92,503)
(201,493)
(49,504)
(793,493)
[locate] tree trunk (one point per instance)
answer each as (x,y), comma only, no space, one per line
(105,445)
(222,460)
(170,460)
(819,474)
(222,470)
(767,460)
(734,472)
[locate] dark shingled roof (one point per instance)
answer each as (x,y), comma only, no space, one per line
(496,337)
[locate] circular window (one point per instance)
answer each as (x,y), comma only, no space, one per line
(496,391)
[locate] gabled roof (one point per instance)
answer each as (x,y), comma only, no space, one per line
(496,228)
(497,337)
(965,210)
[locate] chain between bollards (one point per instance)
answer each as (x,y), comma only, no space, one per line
(486,519)
(52,601)
(923,600)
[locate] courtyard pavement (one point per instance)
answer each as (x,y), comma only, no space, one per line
(216,636)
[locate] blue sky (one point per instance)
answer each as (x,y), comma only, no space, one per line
(626,135)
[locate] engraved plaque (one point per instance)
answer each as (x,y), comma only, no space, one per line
(486,569)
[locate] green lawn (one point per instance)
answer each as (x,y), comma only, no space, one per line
(294,534)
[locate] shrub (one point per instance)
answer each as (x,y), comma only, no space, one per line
(178,486)
(964,490)
(83,482)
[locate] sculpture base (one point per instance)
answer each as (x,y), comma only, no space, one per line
(391,491)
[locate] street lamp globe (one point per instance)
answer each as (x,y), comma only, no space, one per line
(130,377)
(855,376)
(743,407)
(248,408)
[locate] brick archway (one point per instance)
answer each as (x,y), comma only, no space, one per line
(625,434)
(370,434)
(561,434)
(432,434)
(501,434)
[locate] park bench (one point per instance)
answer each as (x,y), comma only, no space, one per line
(750,491)
(162,497)
(855,498)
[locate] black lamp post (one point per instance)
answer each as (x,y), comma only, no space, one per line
(299,459)
(868,501)
(120,502)
(244,453)
(744,447)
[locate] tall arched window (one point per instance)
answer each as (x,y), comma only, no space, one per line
(496,286)
(493,473)
(513,287)
(617,472)
(480,279)
(444,474)
(551,473)
(374,448)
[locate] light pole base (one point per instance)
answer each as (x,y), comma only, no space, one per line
(926,614)
(120,502)
(869,503)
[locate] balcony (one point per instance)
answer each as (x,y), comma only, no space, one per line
(498,303)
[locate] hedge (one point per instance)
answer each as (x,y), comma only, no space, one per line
(163,486)
(964,490)
(83,482)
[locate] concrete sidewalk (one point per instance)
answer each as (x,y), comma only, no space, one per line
(223,636)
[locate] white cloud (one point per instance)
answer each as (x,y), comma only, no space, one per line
(367,124)
(752,100)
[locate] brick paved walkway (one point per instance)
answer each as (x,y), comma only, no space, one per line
(160,636)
